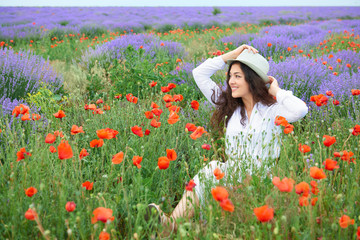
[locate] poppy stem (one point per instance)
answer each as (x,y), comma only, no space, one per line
(346,140)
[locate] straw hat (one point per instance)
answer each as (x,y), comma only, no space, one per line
(254,61)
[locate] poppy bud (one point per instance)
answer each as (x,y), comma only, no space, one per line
(70,206)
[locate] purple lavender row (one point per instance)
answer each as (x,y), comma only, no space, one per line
(17,22)
(303,35)
(115,49)
(24,72)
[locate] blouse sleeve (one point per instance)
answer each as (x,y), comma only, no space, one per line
(203,73)
(289,106)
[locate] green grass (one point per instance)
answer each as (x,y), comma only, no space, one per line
(127,190)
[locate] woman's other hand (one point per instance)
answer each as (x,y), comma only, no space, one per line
(235,53)
(274,86)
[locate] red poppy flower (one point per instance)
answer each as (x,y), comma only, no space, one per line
(102,214)
(91,107)
(313,201)
(304,200)
(147,132)
(219,193)
(329,93)
(98,111)
(206,146)
(190,185)
(87,185)
(154,105)
(163,163)
(320,100)
(21,154)
(355,92)
(31,191)
(317,173)
(302,188)
(280,121)
(107,133)
(131,98)
(178,97)
(152,84)
(50,138)
(136,161)
(165,89)
(149,115)
(16,111)
(190,127)
(35,117)
(96,143)
(168,98)
(64,150)
(83,153)
(52,149)
(345,221)
(58,134)
(155,123)
(137,131)
(75,130)
(25,117)
(227,205)
(174,108)
(285,185)
(173,118)
(30,214)
(330,164)
(157,111)
(336,102)
(197,133)
(314,188)
(356,130)
(171,154)
(104,236)
(99,101)
(304,148)
(288,128)
(195,104)
(118,158)
(218,174)
(171,85)
(264,213)
(329,140)
(60,114)
(70,206)
(345,155)
(24,109)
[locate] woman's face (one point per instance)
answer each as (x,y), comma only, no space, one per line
(239,87)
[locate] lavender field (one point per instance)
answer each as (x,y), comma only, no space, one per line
(100,116)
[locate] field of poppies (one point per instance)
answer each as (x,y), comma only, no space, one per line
(100,116)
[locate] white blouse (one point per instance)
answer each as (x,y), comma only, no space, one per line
(258,140)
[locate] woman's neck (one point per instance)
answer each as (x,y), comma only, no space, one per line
(249,103)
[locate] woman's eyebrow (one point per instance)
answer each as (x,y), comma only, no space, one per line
(235,72)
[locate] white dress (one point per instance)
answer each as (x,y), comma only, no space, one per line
(248,147)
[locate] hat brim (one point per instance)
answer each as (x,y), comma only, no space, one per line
(261,74)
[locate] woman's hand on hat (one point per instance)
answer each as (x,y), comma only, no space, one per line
(235,53)
(244,46)
(274,86)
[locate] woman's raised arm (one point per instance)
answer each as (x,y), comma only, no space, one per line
(204,71)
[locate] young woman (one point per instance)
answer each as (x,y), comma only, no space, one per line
(247,108)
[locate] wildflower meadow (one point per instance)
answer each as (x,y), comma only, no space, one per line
(100,116)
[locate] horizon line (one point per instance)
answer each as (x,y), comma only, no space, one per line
(196,6)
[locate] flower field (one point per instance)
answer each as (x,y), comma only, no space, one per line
(100,116)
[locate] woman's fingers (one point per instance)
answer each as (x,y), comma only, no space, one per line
(271,79)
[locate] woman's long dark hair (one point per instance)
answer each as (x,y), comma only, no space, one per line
(226,104)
